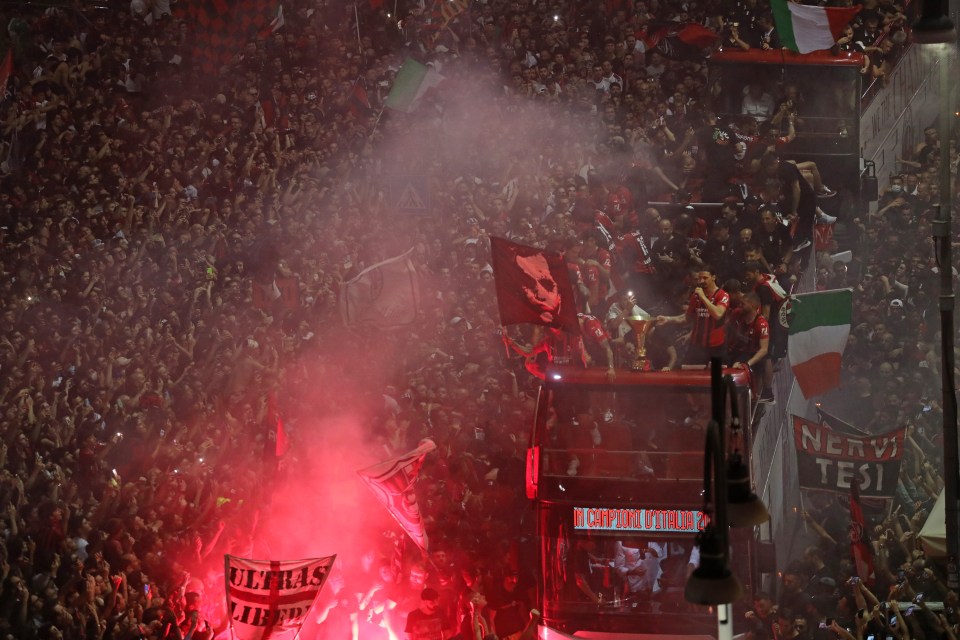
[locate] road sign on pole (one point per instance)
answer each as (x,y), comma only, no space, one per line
(409,194)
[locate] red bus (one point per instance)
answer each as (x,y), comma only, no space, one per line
(615,472)
(846,121)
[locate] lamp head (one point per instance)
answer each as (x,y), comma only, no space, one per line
(712,582)
(744,508)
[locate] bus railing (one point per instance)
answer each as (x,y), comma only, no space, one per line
(633,465)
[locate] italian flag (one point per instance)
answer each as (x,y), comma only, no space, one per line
(804,28)
(412,83)
(819,326)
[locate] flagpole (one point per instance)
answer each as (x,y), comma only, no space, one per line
(377,123)
(356,16)
(803,510)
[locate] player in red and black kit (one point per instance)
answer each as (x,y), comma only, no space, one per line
(596,343)
(748,342)
(707,313)
(596,265)
(636,261)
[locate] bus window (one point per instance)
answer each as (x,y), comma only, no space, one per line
(595,578)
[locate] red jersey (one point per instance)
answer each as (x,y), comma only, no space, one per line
(708,332)
(606,259)
(634,253)
(620,208)
(576,274)
(593,277)
(769,289)
(745,337)
(594,339)
(592,329)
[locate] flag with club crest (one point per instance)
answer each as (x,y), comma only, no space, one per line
(392,482)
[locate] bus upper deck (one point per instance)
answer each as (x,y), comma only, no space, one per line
(601,437)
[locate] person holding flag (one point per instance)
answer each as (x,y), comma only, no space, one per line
(804,28)
(550,346)
(591,348)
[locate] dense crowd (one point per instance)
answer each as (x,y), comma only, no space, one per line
(142,203)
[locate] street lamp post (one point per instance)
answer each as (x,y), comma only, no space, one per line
(942,240)
(935,28)
(712,583)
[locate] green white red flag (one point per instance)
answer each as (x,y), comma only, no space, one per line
(804,28)
(413,81)
(819,327)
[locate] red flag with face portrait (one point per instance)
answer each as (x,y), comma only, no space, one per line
(533,286)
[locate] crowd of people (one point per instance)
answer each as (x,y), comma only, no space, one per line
(143,203)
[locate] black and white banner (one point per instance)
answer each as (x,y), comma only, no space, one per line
(832,461)
(271,598)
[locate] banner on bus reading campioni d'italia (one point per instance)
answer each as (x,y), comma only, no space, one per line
(639,520)
(271,598)
(832,461)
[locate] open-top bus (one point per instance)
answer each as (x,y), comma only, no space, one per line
(848,123)
(615,470)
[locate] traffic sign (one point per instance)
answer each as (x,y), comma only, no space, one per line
(409,194)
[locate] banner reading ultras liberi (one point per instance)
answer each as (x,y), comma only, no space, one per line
(831,461)
(271,598)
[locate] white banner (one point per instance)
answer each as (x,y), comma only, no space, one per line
(271,598)
(385,295)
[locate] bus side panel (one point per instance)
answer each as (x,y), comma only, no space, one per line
(774,474)
(893,122)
